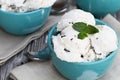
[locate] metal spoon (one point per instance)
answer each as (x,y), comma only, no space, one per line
(60,7)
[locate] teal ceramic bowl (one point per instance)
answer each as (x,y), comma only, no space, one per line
(99,7)
(82,70)
(23,23)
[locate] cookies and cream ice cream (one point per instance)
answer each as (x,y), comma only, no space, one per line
(24,5)
(69,47)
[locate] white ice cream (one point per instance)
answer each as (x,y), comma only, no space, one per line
(94,47)
(105,41)
(75,16)
(24,5)
(68,41)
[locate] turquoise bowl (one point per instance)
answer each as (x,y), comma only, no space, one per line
(23,23)
(99,7)
(80,70)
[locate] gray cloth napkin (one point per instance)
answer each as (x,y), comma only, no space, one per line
(10,45)
(36,71)
(113,22)
(46,71)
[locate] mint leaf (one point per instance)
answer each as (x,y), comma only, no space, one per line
(80,26)
(82,35)
(84,29)
(92,30)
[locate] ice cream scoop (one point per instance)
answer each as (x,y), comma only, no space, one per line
(105,41)
(73,16)
(68,47)
(20,6)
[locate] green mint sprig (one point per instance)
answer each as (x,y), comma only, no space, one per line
(84,29)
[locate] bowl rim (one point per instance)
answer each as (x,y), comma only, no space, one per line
(25,13)
(112,54)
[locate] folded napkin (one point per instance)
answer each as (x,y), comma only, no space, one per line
(36,71)
(10,45)
(46,71)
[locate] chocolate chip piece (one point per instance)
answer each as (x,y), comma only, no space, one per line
(99,53)
(66,50)
(62,36)
(12,6)
(97,38)
(71,39)
(24,1)
(82,56)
